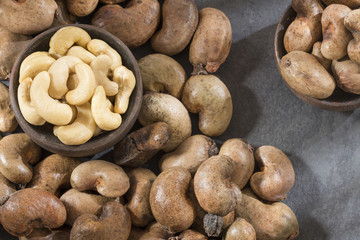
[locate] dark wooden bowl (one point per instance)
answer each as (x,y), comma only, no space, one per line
(43,135)
(339,100)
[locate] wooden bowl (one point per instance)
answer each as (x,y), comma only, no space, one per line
(339,100)
(43,135)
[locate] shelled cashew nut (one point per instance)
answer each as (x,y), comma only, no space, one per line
(35,65)
(26,107)
(17,151)
(85,88)
(64,38)
(81,130)
(72,81)
(107,178)
(51,110)
(80,52)
(126,81)
(101,66)
(103,116)
(97,47)
(59,74)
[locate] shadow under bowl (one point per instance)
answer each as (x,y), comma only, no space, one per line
(339,100)
(43,135)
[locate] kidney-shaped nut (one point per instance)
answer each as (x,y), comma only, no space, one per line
(97,47)
(51,110)
(351,22)
(126,81)
(86,86)
(27,109)
(102,114)
(350,3)
(6,189)
(161,107)
(80,130)
(180,19)
(190,235)
(276,176)
(209,96)
(107,178)
(169,202)
(53,173)
(141,145)
(213,187)
(34,64)
(271,221)
(243,156)
(31,208)
(305,75)
(133,25)
(138,196)
(161,73)
(240,229)
(59,74)
(78,203)
(101,66)
(305,30)
(81,8)
(211,42)
(67,36)
(316,51)
(8,121)
(27,17)
(347,75)
(114,223)
(335,36)
(17,151)
(80,52)
(190,153)
(154,231)
(38,234)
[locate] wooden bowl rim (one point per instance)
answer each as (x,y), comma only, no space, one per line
(327,103)
(96,144)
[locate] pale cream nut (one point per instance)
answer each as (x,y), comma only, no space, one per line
(126,80)
(101,67)
(97,47)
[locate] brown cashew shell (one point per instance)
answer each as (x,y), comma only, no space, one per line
(17,152)
(305,75)
(138,196)
(180,19)
(316,52)
(335,36)
(350,3)
(160,73)
(169,202)
(190,154)
(62,15)
(211,42)
(276,176)
(242,154)
(31,208)
(114,223)
(213,187)
(79,203)
(53,173)
(209,96)
(141,145)
(8,121)
(81,8)
(351,23)
(27,16)
(240,229)
(190,235)
(305,30)
(133,25)
(111,1)
(347,75)
(277,221)
(6,189)
(161,107)
(106,178)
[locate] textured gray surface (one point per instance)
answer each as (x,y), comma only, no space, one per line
(322,145)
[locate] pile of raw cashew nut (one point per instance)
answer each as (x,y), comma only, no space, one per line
(201,191)
(86,111)
(332,33)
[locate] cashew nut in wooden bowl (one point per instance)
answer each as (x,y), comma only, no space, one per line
(43,135)
(339,100)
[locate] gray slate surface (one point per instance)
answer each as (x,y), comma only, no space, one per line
(322,145)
